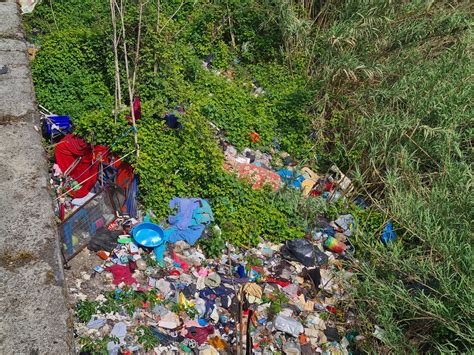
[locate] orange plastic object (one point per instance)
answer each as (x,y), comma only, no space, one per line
(103,254)
(254,137)
(302,339)
(217,342)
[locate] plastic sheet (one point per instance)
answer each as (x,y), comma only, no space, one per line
(301,250)
(288,325)
(27,6)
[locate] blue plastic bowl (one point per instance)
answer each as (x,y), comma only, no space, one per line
(149,235)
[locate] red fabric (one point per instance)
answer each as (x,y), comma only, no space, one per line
(175,273)
(121,274)
(278,282)
(182,264)
(100,153)
(62,211)
(72,147)
(137,110)
(69,149)
(124,175)
(328,186)
(199,334)
(123,178)
(256,175)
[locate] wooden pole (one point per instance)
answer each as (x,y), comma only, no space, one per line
(158,13)
(130,93)
(118,90)
(232,37)
(137,50)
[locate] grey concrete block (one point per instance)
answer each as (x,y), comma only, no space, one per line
(32,300)
(34,318)
(16,88)
(10,23)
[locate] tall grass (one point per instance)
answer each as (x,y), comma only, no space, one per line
(396,90)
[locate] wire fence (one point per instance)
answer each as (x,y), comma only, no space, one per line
(76,230)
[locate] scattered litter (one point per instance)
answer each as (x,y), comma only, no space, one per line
(288,325)
(96,323)
(27,6)
(301,250)
(388,235)
(148,285)
(213,306)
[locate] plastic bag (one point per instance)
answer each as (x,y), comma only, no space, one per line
(103,240)
(388,235)
(299,249)
(27,6)
(288,325)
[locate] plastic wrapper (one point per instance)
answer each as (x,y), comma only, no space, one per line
(288,325)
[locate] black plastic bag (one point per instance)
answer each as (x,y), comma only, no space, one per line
(321,258)
(300,250)
(315,276)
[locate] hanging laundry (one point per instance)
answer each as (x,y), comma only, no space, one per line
(137,110)
(74,154)
(172,121)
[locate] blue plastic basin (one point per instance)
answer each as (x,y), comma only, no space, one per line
(149,235)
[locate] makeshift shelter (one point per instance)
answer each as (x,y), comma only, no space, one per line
(94,187)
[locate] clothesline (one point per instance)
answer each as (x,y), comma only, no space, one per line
(103,153)
(93,175)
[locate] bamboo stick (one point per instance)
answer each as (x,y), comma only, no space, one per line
(130,92)
(118,90)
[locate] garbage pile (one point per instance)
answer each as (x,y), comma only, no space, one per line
(276,170)
(159,293)
(148,287)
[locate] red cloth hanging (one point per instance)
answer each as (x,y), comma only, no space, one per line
(124,174)
(137,110)
(62,211)
(68,150)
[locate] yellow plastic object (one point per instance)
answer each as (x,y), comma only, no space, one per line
(182,301)
(310,179)
(309,174)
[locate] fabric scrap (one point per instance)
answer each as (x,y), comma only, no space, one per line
(199,334)
(121,274)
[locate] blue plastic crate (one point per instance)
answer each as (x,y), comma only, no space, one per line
(62,123)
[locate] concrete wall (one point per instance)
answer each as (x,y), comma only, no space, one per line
(33,314)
